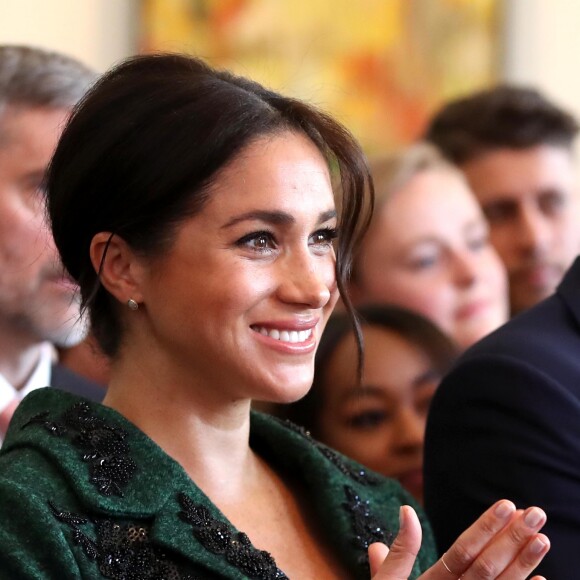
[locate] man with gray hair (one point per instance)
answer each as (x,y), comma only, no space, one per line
(39,305)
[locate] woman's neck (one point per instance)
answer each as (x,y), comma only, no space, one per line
(207,436)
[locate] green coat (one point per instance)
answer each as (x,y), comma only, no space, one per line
(85,494)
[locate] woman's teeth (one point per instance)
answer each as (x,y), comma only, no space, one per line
(285,335)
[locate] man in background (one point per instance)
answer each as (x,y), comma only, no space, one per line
(515,149)
(505,422)
(39,304)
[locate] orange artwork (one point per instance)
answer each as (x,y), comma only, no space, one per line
(380,66)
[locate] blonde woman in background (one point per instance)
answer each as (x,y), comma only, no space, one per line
(428,247)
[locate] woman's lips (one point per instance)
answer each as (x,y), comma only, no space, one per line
(291,338)
(474,308)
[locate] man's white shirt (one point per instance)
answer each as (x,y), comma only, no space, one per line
(39,378)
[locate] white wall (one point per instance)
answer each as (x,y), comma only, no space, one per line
(97,32)
(542,48)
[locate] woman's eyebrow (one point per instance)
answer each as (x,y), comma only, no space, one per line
(365,391)
(274,217)
(326,215)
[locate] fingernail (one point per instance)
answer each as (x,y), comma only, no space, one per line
(504,509)
(401,518)
(533,518)
(537,546)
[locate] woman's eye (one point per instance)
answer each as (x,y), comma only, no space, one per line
(423,262)
(323,237)
(478,243)
(423,256)
(258,241)
(368,419)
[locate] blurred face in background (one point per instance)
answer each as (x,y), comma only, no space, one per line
(529,199)
(382,424)
(428,250)
(37,301)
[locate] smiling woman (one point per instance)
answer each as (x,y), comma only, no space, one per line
(196,211)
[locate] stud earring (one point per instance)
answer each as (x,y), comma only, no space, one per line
(132,304)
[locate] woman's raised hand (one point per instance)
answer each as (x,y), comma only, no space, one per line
(503,543)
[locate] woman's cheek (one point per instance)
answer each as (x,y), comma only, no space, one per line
(328,276)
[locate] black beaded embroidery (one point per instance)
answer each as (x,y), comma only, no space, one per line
(74,521)
(122,551)
(296,428)
(220,538)
(103,446)
(358,474)
(366,527)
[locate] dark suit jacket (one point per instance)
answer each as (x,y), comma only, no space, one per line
(506,423)
(65,380)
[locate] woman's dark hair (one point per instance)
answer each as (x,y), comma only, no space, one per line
(142,148)
(409,325)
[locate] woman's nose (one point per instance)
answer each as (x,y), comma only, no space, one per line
(464,269)
(410,430)
(307,280)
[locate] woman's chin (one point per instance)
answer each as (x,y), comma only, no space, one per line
(282,395)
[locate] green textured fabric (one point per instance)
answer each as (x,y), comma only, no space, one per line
(40,463)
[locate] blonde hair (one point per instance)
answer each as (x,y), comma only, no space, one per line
(393,171)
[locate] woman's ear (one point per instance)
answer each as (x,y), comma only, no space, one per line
(118,266)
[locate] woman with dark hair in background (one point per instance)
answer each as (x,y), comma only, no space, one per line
(196,211)
(380,424)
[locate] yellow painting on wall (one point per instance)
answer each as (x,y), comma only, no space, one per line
(380,66)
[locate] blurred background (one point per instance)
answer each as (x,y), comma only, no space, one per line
(381,66)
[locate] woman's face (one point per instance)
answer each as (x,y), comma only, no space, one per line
(382,424)
(238,304)
(428,250)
